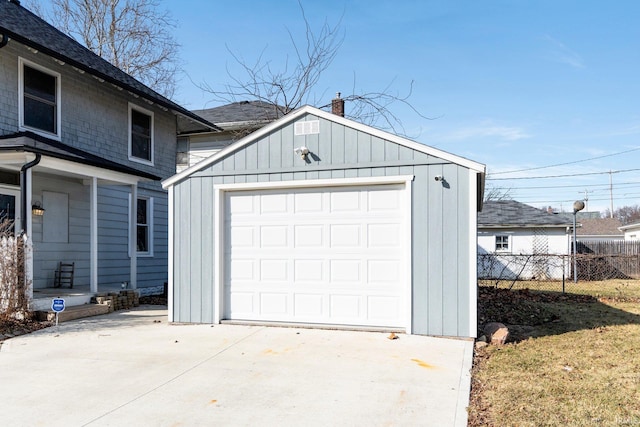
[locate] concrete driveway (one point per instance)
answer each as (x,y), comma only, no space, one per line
(132,368)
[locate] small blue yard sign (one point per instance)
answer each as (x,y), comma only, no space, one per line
(57,305)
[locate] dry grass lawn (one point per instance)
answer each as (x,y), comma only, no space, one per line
(576,364)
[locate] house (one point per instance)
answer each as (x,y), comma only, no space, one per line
(631,231)
(317,219)
(83,147)
(598,229)
(233,121)
(511,233)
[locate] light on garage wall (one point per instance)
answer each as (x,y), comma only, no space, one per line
(37,209)
(303,152)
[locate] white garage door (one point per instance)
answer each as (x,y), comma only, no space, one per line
(317,255)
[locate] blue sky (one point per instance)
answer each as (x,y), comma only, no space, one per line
(516,85)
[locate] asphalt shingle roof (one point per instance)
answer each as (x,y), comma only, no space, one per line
(242,112)
(35,143)
(21,25)
(510,213)
(599,227)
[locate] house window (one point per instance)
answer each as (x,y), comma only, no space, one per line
(39,99)
(182,155)
(502,243)
(143,226)
(140,135)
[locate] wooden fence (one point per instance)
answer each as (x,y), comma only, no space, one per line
(608,259)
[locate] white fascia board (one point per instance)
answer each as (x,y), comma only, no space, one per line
(87,171)
(307,109)
(629,227)
(478,167)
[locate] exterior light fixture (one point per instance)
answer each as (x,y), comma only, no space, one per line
(303,152)
(37,209)
(578,205)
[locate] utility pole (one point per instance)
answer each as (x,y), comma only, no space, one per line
(611,193)
(586,199)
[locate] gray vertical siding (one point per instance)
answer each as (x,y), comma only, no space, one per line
(440,216)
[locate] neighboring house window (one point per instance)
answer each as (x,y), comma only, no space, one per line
(140,135)
(39,99)
(144,226)
(502,243)
(182,155)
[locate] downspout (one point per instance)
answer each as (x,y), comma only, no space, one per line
(4,40)
(23,187)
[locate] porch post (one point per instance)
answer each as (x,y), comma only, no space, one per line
(133,227)
(93,230)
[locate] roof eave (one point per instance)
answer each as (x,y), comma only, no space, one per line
(169,106)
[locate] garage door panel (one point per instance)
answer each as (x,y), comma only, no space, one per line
(272,303)
(242,303)
(316,255)
(242,204)
(273,269)
(345,235)
(383,200)
(309,270)
(384,235)
(307,202)
(346,308)
(383,271)
(309,236)
(273,204)
(345,201)
(309,306)
(383,308)
(242,269)
(274,236)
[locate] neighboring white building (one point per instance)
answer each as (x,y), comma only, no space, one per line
(631,231)
(520,237)
(234,121)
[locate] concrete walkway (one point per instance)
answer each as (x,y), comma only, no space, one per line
(132,368)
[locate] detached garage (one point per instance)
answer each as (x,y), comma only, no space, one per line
(316,219)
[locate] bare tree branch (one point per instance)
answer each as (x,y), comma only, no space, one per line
(296,82)
(131,34)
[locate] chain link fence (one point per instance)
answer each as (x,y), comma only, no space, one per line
(614,275)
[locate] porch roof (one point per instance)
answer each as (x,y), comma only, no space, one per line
(33,143)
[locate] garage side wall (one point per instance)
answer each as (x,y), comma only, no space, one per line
(441,227)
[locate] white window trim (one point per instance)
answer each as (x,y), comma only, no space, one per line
(21,63)
(151,149)
(495,238)
(149,253)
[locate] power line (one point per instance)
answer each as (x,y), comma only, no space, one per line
(544,187)
(567,163)
(562,176)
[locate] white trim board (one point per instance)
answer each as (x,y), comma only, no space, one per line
(219,224)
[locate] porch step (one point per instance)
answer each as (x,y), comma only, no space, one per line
(73,312)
